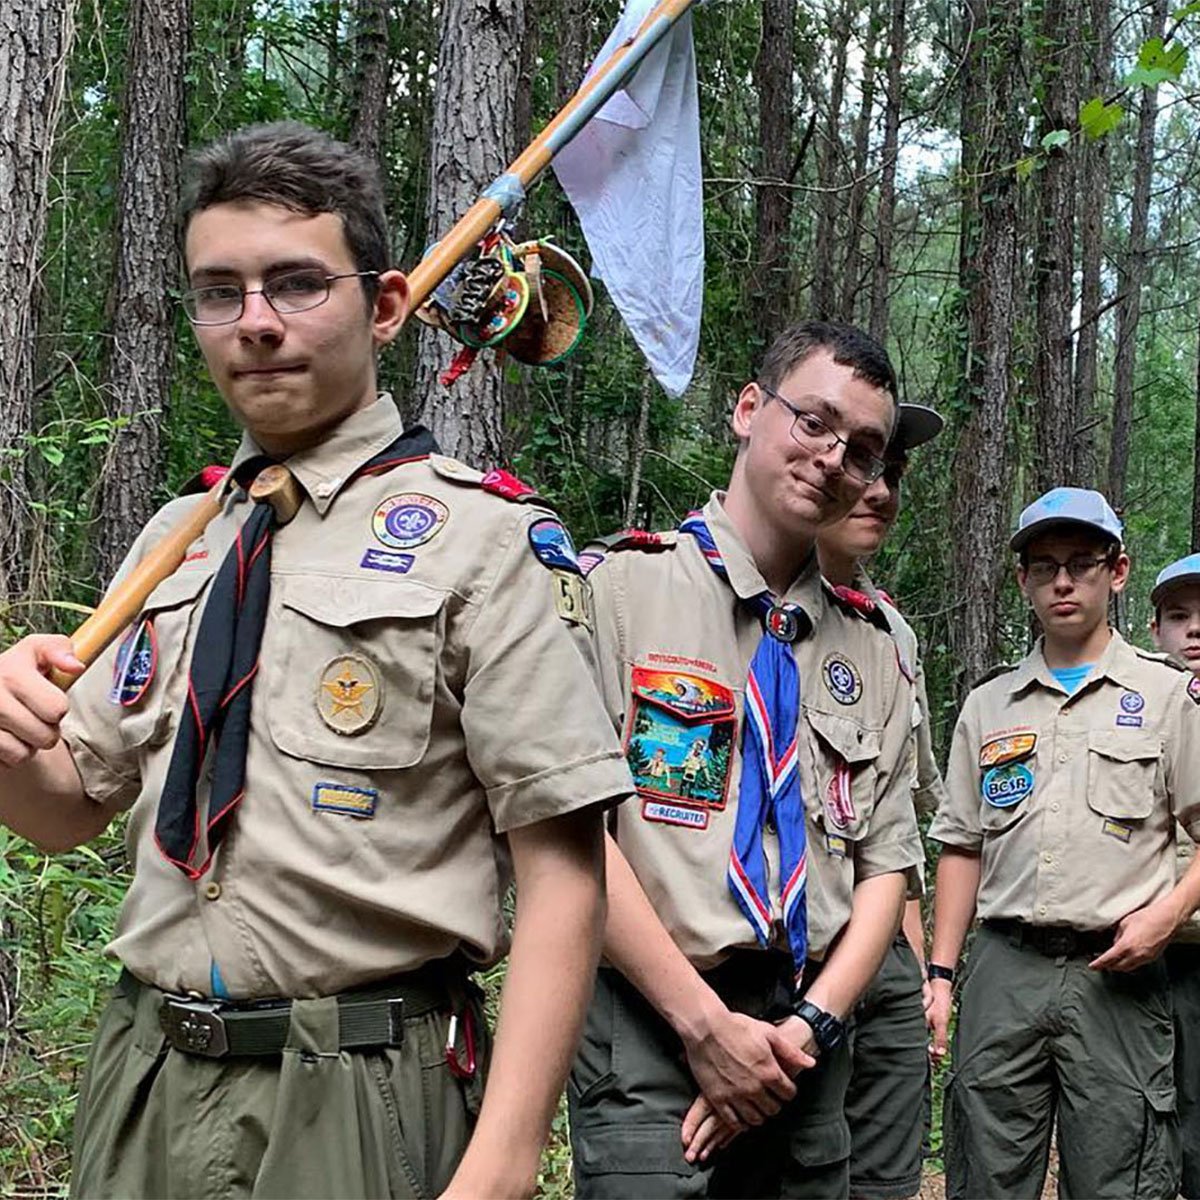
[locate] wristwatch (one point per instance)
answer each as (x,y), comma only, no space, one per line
(828,1030)
(937,971)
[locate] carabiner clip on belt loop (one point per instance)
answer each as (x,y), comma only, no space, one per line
(458,1068)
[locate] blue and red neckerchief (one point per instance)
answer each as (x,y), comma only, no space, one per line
(770,785)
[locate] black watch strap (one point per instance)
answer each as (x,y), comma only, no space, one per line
(937,971)
(829,1031)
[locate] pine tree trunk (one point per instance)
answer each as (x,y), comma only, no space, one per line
(1196,457)
(35,40)
(885,213)
(372,71)
(138,375)
(472,143)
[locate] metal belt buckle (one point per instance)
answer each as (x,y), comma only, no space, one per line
(194,1026)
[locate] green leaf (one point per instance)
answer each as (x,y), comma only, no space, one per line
(1188,10)
(1097,118)
(52,453)
(1026,167)
(1157,63)
(1056,138)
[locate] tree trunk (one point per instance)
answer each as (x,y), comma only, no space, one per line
(770,287)
(1130,279)
(1195,547)
(991,138)
(138,372)
(372,72)
(472,143)
(35,40)
(1054,256)
(885,212)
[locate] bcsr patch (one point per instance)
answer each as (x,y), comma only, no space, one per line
(1005,786)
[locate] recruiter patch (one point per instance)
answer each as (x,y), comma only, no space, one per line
(675,814)
(408,519)
(552,546)
(1007,785)
(1011,747)
(341,798)
(137,661)
(349,694)
(842,679)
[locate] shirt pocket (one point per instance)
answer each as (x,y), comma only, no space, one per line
(845,753)
(1124,773)
(387,629)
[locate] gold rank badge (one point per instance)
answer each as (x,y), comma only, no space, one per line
(350,694)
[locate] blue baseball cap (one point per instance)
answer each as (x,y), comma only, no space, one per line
(1067,506)
(1182,570)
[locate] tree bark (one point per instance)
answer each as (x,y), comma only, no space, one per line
(1130,279)
(35,40)
(1054,257)
(372,71)
(885,213)
(1196,457)
(991,138)
(139,367)
(771,283)
(471,144)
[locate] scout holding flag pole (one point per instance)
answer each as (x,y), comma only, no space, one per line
(314,851)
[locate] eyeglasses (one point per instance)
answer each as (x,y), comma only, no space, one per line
(291,292)
(809,431)
(1079,567)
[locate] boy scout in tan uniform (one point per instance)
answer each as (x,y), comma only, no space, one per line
(887,1101)
(295,1016)
(1066,778)
(1176,630)
(682,1050)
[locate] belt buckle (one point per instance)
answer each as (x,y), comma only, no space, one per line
(1061,943)
(194,1026)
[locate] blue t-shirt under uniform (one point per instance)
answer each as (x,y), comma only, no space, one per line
(1072,677)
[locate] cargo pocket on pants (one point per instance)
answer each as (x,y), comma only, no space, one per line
(1159,1162)
(614,1162)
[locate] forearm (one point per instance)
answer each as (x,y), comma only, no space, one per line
(855,960)
(42,799)
(552,965)
(914,930)
(1184,898)
(954,903)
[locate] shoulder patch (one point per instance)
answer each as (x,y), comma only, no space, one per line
(858,604)
(993,673)
(637,539)
(1155,656)
(504,483)
(204,480)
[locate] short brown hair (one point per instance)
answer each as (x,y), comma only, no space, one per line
(850,346)
(298,168)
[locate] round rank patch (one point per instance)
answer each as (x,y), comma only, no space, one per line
(842,679)
(350,694)
(1005,786)
(552,546)
(137,660)
(1194,688)
(408,520)
(1132,702)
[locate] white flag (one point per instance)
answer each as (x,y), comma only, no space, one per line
(633,174)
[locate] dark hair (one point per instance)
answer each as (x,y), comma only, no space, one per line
(850,346)
(298,168)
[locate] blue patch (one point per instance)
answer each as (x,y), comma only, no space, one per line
(1133,702)
(1129,719)
(341,798)
(674,814)
(552,546)
(1007,785)
(137,660)
(388,560)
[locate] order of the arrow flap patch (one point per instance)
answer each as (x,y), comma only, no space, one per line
(681,737)
(1011,747)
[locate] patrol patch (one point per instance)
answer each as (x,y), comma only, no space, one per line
(1193,688)
(1132,702)
(842,679)
(572,598)
(350,694)
(1129,719)
(679,745)
(137,660)
(1011,747)
(835,846)
(1007,785)
(1117,830)
(409,519)
(388,560)
(839,798)
(552,546)
(675,814)
(340,798)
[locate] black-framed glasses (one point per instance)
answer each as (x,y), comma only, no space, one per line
(809,431)
(289,292)
(1079,567)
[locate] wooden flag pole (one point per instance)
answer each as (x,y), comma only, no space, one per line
(501,198)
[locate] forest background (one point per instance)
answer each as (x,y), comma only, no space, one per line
(1003,190)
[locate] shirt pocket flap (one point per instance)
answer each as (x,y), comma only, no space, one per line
(1124,747)
(176,589)
(1123,766)
(853,741)
(339,603)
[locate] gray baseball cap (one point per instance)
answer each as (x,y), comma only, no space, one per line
(1067,506)
(1182,570)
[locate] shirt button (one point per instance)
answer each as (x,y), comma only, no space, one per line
(212,891)
(1048,858)
(1042,910)
(1054,806)
(1063,758)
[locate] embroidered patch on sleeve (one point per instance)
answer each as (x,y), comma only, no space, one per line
(341,798)
(137,661)
(680,739)
(572,599)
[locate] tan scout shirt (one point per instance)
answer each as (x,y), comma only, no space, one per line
(675,648)
(412,705)
(1085,789)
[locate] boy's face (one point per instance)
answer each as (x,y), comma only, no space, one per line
(1176,627)
(289,378)
(859,534)
(1071,607)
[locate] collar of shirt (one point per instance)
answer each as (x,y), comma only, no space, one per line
(323,470)
(744,575)
(1118,663)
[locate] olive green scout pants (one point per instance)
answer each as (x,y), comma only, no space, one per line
(630,1090)
(1040,1037)
(312,1121)
(1183,968)
(887,1104)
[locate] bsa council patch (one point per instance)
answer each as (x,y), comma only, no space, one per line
(350,694)
(409,519)
(1007,785)
(137,660)
(842,679)
(552,546)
